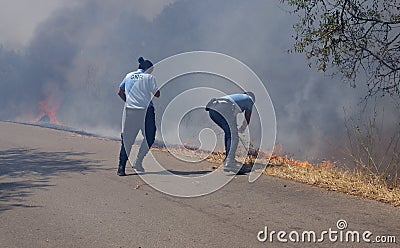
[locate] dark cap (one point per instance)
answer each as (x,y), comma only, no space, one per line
(144,64)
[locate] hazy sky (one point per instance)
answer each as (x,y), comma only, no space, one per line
(19,18)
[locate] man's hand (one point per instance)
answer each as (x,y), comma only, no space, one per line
(242,129)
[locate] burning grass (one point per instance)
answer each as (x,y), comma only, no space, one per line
(329,176)
(325,174)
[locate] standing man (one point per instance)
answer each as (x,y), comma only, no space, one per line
(137,90)
(223,111)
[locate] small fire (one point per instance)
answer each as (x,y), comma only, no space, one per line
(48,112)
(47,109)
(275,158)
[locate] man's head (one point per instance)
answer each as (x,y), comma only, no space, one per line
(145,65)
(251,94)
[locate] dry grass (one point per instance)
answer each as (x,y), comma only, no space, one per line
(325,175)
(345,181)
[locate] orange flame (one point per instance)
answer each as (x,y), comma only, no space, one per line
(274,158)
(47,107)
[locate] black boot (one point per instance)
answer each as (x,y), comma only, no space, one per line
(121,169)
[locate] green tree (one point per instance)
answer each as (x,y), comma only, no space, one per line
(357,37)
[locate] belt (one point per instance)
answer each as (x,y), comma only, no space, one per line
(222,101)
(214,102)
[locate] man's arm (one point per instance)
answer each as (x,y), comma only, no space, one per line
(121,94)
(246,121)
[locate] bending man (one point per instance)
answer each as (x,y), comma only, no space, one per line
(223,111)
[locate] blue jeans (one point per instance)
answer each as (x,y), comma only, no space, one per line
(149,133)
(226,119)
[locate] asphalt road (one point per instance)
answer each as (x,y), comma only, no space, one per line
(60,189)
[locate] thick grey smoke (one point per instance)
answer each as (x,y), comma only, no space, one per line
(80,54)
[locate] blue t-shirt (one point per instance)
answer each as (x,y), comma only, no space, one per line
(244,101)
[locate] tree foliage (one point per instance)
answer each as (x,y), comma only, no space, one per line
(355,36)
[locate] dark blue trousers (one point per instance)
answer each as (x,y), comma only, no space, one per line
(227,121)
